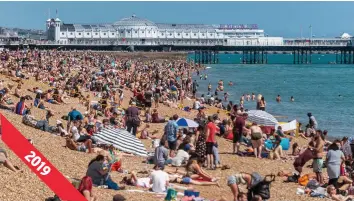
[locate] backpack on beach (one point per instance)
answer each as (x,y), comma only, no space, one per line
(262,188)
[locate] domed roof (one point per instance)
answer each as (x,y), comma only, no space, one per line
(346,36)
(134,21)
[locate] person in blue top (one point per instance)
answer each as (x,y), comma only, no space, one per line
(171,130)
(74,115)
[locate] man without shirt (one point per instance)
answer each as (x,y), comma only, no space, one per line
(318,156)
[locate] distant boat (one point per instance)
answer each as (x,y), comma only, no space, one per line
(208,67)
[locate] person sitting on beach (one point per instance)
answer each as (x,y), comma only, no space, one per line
(281,133)
(85,188)
(79,146)
(61,130)
(49,99)
(4,160)
(277,151)
(6,105)
(156,118)
(159,179)
(196,104)
(21,107)
(18,91)
(332,193)
(195,171)
(99,173)
(182,156)
(148,118)
(161,153)
(145,133)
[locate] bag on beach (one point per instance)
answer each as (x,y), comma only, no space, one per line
(262,188)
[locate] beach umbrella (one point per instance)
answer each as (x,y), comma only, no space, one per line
(262,118)
(188,123)
(122,140)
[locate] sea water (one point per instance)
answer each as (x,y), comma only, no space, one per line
(325,90)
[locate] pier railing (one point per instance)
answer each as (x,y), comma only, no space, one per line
(200,43)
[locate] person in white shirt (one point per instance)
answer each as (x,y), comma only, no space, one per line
(181,157)
(75,132)
(159,180)
(196,104)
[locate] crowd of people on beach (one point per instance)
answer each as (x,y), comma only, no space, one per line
(183,156)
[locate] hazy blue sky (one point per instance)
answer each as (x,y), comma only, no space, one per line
(276,18)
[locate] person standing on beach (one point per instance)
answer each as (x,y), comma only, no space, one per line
(194,88)
(317,163)
(312,121)
(304,157)
(171,130)
(238,130)
(256,139)
(132,118)
(210,141)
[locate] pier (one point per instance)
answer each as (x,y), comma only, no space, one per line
(209,53)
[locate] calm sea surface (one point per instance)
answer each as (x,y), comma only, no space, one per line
(327,91)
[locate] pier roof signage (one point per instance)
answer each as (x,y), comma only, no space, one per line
(238,26)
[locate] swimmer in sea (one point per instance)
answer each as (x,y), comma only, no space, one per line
(253,96)
(209,87)
(205,77)
(226,96)
(230,83)
(278,99)
(292,99)
(248,97)
(242,99)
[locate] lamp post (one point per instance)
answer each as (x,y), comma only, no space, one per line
(310,34)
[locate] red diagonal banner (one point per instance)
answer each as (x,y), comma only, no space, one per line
(38,163)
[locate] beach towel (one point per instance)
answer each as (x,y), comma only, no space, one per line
(20,108)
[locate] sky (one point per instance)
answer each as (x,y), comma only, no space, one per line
(287,19)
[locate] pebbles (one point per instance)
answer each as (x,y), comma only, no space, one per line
(27,186)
